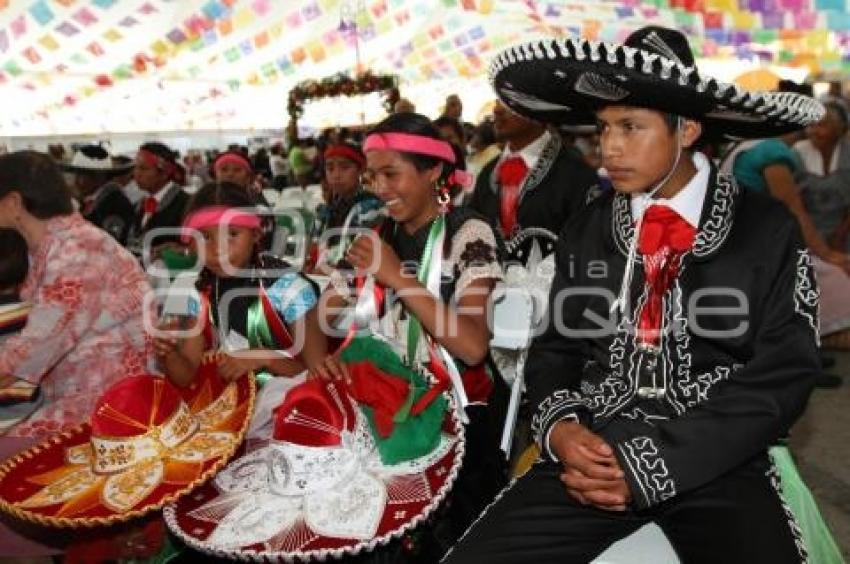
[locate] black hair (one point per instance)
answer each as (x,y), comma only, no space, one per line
(417,124)
(486,134)
(14,261)
(446,121)
(838,110)
(39,181)
(222,194)
(786,85)
(160,150)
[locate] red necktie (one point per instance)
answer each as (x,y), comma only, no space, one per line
(512,173)
(664,237)
(149,205)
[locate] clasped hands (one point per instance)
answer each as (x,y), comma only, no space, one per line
(591,472)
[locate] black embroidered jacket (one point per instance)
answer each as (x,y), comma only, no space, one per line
(555,189)
(737,359)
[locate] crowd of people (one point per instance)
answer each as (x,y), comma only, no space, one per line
(666,416)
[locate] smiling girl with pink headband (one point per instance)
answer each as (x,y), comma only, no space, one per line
(422,285)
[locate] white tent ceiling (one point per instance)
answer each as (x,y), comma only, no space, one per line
(86,67)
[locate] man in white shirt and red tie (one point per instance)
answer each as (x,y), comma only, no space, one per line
(536,182)
(157,174)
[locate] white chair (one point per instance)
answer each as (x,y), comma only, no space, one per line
(513,317)
(518,308)
(182,298)
(647,544)
(314,191)
(271,195)
(292,197)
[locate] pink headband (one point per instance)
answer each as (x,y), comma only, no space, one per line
(233,158)
(410,143)
(216,215)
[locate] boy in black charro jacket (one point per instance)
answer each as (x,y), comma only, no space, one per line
(682,339)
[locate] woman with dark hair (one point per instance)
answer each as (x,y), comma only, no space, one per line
(85,329)
(436,266)
(248,300)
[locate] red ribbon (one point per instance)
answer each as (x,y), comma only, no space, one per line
(276,325)
(150,205)
(664,237)
(512,173)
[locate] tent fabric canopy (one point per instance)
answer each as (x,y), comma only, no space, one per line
(90,66)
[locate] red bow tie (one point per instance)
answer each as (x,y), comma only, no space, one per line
(664,237)
(663,227)
(149,205)
(512,173)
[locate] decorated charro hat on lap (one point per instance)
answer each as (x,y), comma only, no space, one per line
(147,444)
(564,81)
(349,468)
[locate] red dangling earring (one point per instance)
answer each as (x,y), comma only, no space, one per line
(444,197)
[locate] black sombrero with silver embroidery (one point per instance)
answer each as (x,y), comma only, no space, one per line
(95,160)
(564,81)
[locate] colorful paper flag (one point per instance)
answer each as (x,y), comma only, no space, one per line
(225,27)
(159,47)
(67,29)
(104,4)
(243,18)
(112,35)
(316,51)
(231,55)
(298,55)
(19,26)
(176,36)
(311,11)
(402,17)
(122,72)
(41,12)
(12,68)
(213,9)
(293,20)
(95,49)
(32,55)
(85,17)
(48,42)
(379,9)
(261,7)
